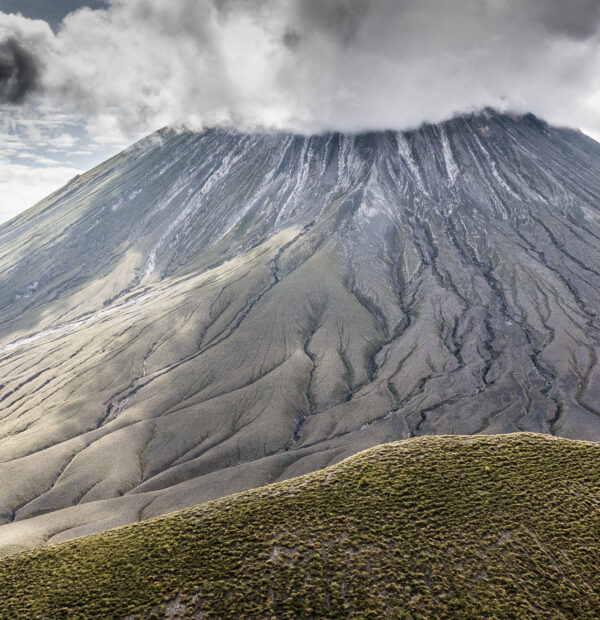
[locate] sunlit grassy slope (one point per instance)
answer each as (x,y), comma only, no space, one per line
(505,526)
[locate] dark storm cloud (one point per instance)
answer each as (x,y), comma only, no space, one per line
(578,19)
(291,39)
(340,19)
(18,72)
(312,65)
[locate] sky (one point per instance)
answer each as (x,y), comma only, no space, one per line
(81,80)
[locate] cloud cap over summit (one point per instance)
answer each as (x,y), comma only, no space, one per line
(319,64)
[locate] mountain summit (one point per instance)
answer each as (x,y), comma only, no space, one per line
(206,313)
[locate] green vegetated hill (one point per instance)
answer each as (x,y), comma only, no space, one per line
(504,526)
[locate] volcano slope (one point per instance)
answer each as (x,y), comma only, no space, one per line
(206,313)
(430,527)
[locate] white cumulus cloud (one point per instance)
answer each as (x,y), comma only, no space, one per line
(316,64)
(22,185)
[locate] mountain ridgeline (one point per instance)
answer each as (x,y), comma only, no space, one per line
(207,313)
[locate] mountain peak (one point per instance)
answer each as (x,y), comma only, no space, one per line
(217,310)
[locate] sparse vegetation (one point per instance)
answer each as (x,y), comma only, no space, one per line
(505,526)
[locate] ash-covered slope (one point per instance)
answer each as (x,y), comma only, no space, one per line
(209,312)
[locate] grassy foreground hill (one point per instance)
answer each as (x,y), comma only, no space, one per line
(505,526)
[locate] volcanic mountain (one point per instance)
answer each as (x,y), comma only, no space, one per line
(209,312)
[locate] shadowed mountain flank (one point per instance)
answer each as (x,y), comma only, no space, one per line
(206,313)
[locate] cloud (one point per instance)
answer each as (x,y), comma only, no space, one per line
(23,185)
(18,72)
(314,65)
(40,150)
(577,18)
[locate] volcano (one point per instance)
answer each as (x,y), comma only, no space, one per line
(210,312)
